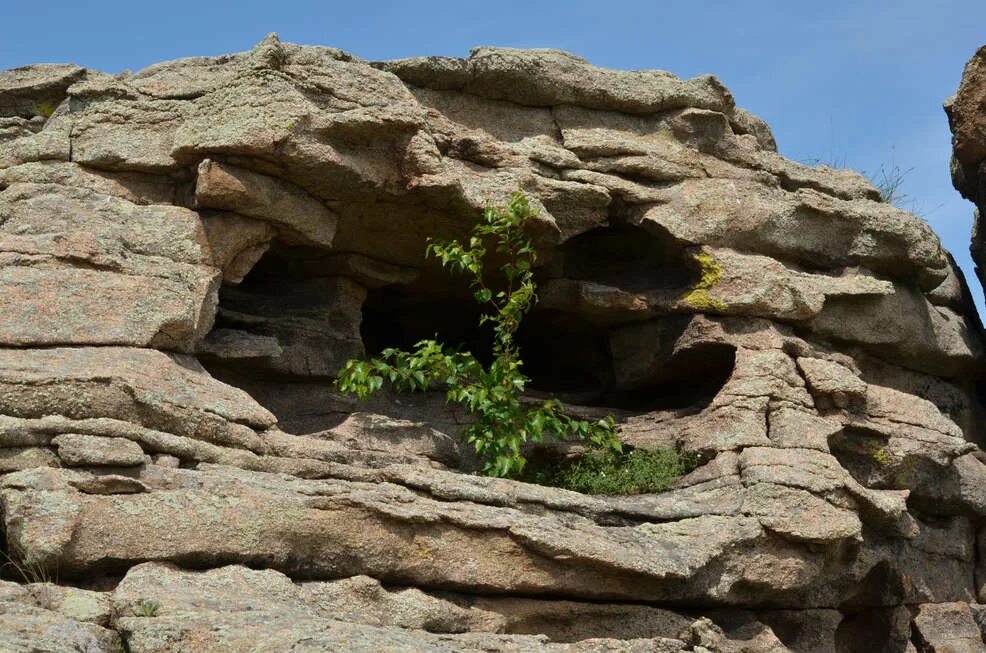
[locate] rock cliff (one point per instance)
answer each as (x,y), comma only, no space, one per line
(966,112)
(189,253)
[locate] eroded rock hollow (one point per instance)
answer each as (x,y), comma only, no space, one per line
(188,255)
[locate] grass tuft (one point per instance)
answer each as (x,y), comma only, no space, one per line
(889,180)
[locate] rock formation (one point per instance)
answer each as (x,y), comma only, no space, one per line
(966,112)
(189,253)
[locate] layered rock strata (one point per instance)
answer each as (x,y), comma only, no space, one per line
(189,253)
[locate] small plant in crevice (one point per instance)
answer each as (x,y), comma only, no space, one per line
(638,471)
(17,565)
(491,394)
(145,608)
(889,180)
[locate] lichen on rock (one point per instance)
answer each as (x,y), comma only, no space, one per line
(698,298)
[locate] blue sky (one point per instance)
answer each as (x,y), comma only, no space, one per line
(855,83)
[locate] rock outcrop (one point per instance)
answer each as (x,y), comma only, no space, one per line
(966,112)
(188,254)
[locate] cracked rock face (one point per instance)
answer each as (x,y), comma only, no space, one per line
(188,254)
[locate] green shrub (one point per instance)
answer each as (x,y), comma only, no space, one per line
(491,394)
(639,471)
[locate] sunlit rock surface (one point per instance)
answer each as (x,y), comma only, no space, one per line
(188,254)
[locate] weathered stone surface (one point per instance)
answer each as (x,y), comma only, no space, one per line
(762,286)
(499,73)
(233,344)
(122,129)
(570,621)
(201,599)
(134,187)
(737,284)
(799,514)
(237,243)
(239,631)
(369,431)
(904,325)
(967,119)
(800,227)
(361,599)
(49,617)
(832,382)
(225,589)
(227,187)
(141,386)
(108,484)
(79,268)
(36,90)
(948,627)
(24,629)
(77,450)
(305,530)
(965,112)
(15,458)
(254,220)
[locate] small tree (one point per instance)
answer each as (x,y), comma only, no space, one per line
(491,394)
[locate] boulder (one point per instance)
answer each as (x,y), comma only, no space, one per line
(83,268)
(948,627)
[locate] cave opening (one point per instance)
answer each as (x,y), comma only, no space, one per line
(285,329)
(398,318)
(626,257)
(293,315)
(565,355)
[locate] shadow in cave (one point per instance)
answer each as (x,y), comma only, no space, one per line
(626,257)
(565,356)
(395,317)
(295,319)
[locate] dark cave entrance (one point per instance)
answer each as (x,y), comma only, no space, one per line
(565,355)
(625,257)
(283,332)
(568,354)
